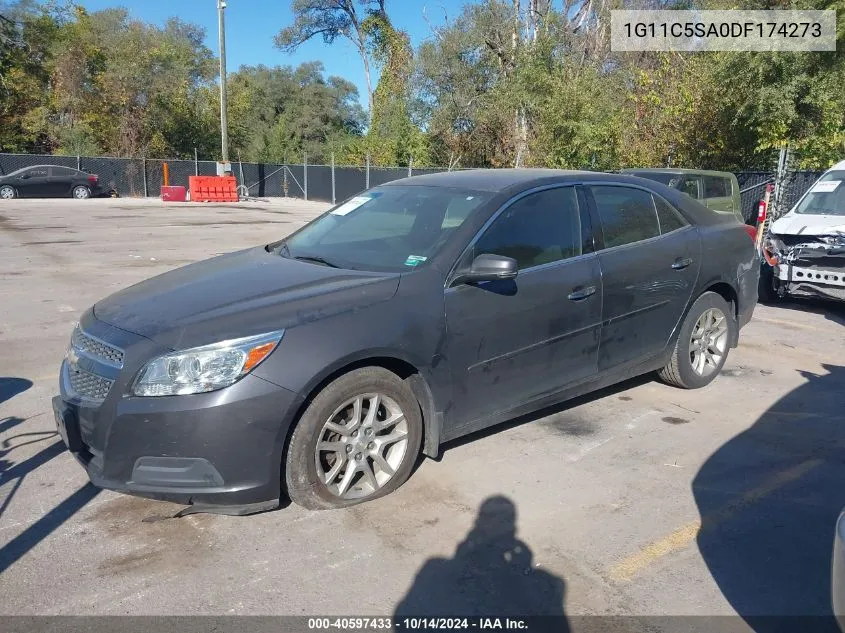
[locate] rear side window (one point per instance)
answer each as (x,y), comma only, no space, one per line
(716,187)
(627,215)
(63,172)
(540,228)
(670,219)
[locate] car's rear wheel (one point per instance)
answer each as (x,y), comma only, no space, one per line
(358,440)
(7,192)
(81,192)
(703,343)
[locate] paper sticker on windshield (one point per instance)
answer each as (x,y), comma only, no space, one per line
(350,205)
(826,187)
(415,260)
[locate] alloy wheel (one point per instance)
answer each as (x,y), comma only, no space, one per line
(7,193)
(708,342)
(361,445)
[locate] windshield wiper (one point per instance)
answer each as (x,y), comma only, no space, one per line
(317,260)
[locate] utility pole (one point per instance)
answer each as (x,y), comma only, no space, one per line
(224,123)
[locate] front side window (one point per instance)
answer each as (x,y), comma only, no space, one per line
(690,186)
(36,172)
(627,215)
(716,187)
(390,229)
(826,197)
(538,229)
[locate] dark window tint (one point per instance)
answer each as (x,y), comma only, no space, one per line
(37,172)
(627,215)
(689,186)
(540,228)
(670,220)
(63,172)
(716,187)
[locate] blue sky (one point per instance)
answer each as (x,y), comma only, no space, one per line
(251,25)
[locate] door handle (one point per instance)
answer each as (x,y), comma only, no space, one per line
(581,293)
(681,263)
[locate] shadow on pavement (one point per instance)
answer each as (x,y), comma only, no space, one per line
(491,574)
(10,387)
(831,310)
(769,499)
(15,549)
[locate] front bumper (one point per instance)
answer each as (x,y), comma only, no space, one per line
(220,450)
(804,279)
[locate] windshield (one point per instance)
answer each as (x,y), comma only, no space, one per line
(826,197)
(391,228)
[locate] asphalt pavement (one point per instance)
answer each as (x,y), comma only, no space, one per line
(641,499)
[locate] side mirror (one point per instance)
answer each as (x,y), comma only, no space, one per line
(488,267)
(24,177)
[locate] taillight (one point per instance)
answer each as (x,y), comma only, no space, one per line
(93,179)
(752,231)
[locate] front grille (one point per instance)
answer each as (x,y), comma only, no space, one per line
(96,348)
(88,385)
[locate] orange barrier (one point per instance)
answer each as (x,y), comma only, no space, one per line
(172,194)
(213,188)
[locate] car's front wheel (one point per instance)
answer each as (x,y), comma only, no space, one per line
(7,192)
(703,343)
(358,440)
(81,192)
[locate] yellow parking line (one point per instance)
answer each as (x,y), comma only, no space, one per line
(680,538)
(804,326)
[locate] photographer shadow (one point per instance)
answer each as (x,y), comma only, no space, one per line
(492,574)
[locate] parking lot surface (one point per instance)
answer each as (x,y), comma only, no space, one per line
(641,499)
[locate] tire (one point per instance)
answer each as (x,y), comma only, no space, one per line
(7,192)
(336,404)
(766,292)
(81,192)
(680,370)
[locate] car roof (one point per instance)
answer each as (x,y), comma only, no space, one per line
(499,180)
(838,166)
(678,171)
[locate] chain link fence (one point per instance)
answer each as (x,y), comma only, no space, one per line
(138,177)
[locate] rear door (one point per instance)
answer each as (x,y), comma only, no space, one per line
(33,183)
(62,179)
(649,259)
(509,342)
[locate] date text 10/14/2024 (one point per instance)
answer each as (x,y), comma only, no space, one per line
(417,624)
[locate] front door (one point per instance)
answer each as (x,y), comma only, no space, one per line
(513,341)
(33,182)
(649,260)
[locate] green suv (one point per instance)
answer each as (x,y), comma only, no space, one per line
(718,190)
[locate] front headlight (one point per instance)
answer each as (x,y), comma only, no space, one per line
(205,368)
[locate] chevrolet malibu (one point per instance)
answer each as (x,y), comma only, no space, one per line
(322,365)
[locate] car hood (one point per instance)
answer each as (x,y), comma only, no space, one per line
(240,294)
(803,224)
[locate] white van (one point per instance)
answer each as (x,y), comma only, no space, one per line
(804,252)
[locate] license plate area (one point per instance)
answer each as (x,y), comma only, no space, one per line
(67,425)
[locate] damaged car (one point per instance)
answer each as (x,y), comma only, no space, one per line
(804,251)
